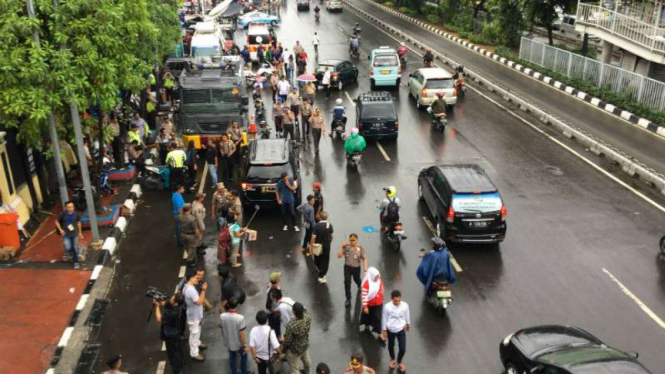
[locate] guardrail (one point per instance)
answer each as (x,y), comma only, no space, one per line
(633,29)
(646,91)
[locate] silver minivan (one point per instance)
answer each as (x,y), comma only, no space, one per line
(424,84)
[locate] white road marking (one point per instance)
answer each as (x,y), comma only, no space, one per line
(161,366)
(350,99)
(431,228)
(383,151)
(204,176)
(182,271)
(163,346)
(564,146)
(184,254)
(637,301)
(65,336)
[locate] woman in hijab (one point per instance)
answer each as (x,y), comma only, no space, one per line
(372,300)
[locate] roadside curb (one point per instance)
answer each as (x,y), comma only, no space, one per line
(628,164)
(572,91)
(111,244)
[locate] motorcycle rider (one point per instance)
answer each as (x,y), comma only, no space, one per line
(428,58)
(402,51)
(354,143)
(439,106)
(356,29)
(436,266)
(389,209)
(339,114)
(354,44)
(316,12)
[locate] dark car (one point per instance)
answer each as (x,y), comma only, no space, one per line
(342,73)
(464,203)
(564,350)
(376,115)
(267,160)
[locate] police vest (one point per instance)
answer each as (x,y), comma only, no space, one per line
(134,135)
(176,158)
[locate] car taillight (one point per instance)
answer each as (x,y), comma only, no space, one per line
(423,93)
(454,91)
(335,75)
(246,186)
(503,212)
(396,124)
(451,215)
(371,72)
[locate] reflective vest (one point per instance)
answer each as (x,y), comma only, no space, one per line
(168,83)
(176,158)
(134,135)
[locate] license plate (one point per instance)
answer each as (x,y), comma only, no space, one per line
(479,224)
(377,125)
(267,189)
(385,72)
(399,232)
(356,158)
(446,294)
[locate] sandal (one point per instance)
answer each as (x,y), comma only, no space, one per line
(392,364)
(402,368)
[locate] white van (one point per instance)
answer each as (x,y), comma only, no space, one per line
(334,5)
(257,34)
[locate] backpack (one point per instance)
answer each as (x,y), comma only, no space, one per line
(392,210)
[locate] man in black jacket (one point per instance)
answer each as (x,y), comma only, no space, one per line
(171,329)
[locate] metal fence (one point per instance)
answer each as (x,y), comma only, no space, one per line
(646,91)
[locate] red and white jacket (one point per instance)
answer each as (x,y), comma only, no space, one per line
(377,300)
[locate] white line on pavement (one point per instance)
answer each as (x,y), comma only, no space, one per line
(163,346)
(564,146)
(637,301)
(350,99)
(431,228)
(184,254)
(182,271)
(161,366)
(204,176)
(383,151)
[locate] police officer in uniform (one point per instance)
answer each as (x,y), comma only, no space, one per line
(171,329)
(191,232)
(176,160)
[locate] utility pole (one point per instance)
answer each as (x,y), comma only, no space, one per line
(55,142)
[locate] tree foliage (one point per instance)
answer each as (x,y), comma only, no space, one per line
(544,13)
(90,51)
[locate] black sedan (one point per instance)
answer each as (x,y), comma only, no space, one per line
(557,349)
(342,72)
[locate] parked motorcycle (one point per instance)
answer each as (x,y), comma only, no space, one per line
(354,159)
(395,236)
(438,122)
(440,296)
(150,178)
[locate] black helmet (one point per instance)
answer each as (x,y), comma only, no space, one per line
(437,242)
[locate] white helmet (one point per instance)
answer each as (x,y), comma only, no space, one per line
(338,102)
(402,44)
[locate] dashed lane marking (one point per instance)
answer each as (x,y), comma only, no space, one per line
(161,366)
(350,99)
(556,141)
(163,346)
(182,271)
(637,301)
(431,228)
(184,254)
(383,151)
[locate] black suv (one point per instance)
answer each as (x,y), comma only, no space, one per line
(464,203)
(268,159)
(376,115)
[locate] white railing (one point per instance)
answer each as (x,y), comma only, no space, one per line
(633,29)
(646,91)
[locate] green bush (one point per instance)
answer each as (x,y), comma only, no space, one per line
(389,4)
(463,34)
(463,20)
(491,33)
(433,18)
(403,9)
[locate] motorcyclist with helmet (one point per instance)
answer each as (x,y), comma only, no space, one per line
(389,210)
(354,143)
(354,45)
(428,58)
(356,29)
(436,268)
(439,107)
(339,115)
(402,51)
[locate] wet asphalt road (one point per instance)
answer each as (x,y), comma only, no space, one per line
(566,224)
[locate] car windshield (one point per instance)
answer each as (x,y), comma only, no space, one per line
(208,96)
(385,60)
(374,110)
(266,172)
(609,367)
(477,203)
(204,51)
(438,83)
(259,39)
(322,68)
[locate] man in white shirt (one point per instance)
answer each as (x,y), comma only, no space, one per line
(284,87)
(315,43)
(394,324)
(263,342)
(233,326)
(325,81)
(284,307)
(194,302)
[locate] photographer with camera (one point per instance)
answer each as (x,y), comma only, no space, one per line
(171,329)
(194,301)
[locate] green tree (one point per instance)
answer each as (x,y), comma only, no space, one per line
(544,12)
(90,51)
(509,18)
